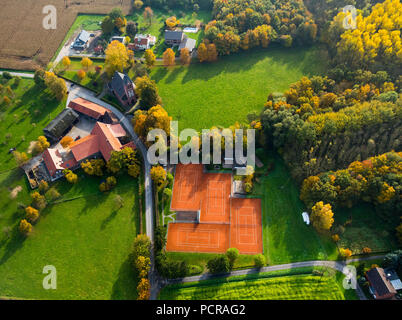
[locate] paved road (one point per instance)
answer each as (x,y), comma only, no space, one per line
(21,74)
(336,265)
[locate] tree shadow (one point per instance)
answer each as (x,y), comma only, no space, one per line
(13,245)
(125,287)
(106,221)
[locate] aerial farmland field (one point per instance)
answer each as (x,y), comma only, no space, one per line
(25,43)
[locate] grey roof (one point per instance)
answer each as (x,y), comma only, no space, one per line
(119,81)
(83,36)
(188,43)
(61,123)
(173,35)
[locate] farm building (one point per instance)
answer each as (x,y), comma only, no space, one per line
(103,140)
(81,41)
(59,126)
(123,88)
(174,37)
(92,110)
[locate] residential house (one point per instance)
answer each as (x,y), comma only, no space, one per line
(380,286)
(60,125)
(92,110)
(117,38)
(143,42)
(174,37)
(123,88)
(81,41)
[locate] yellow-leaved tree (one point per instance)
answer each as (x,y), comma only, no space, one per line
(116,58)
(322,216)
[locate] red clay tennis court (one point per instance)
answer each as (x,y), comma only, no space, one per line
(224,222)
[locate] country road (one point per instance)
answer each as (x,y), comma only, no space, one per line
(336,265)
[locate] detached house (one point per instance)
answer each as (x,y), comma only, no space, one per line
(380,285)
(173,37)
(123,88)
(142,42)
(81,41)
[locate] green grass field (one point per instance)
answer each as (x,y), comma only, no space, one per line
(22,121)
(286,237)
(82,235)
(265,286)
(202,95)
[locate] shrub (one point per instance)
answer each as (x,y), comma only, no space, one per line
(345,253)
(259,260)
(70,176)
(366,250)
(232,254)
(7,75)
(160,238)
(143,289)
(25,227)
(335,237)
(38,200)
(219,265)
(141,246)
(43,186)
(31,214)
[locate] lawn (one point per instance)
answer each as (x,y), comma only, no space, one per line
(82,235)
(221,93)
(286,237)
(367,229)
(296,284)
(22,121)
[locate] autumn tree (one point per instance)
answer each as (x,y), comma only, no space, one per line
(147,91)
(158,176)
(148,14)
(202,52)
(93,167)
(138,4)
(345,253)
(25,227)
(71,177)
(38,201)
(40,145)
(116,58)
(185,57)
(322,216)
(155,118)
(172,22)
(31,214)
(43,186)
(86,63)
(212,54)
(20,157)
(56,85)
(143,289)
(169,57)
(66,62)
(66,141)
(149,58)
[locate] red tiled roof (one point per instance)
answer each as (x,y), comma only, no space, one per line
(107,141)
(85,147)
(88,108)
(54,161)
